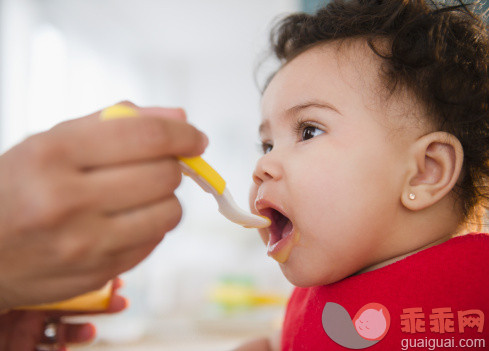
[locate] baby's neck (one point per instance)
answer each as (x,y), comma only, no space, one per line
(397,258)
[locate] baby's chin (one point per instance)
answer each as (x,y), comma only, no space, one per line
(304,282)
(305,279)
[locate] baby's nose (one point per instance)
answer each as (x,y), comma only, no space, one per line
(268,167)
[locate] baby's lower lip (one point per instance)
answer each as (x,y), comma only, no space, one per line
(281,249)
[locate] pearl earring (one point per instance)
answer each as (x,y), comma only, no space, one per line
(412,196)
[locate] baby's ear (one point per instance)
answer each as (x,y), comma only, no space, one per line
(435,167)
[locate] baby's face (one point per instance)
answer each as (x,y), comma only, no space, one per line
(333,169)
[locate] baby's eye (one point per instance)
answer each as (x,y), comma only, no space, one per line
(266,147)
(309,132)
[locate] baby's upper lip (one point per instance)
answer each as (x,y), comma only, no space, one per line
(279,220)
(264,206)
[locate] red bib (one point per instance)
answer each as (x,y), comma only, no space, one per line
(435,299)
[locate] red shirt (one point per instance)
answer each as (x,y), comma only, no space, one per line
(436,299)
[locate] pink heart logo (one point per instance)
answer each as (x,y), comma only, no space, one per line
(370,324)
(372,321)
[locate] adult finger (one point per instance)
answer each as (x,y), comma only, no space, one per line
(129,258)
(72,333)
(127,140)
(124,187)
(117,283)
(164,112)
(117,304)
(140,227)
(20,330)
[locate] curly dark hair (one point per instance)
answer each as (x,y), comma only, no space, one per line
(438,51)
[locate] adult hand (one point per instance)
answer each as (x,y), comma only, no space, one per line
(23,330)
(87,200)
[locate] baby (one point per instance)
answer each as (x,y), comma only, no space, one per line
(375,135)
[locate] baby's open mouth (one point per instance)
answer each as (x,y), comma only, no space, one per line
(281,225)
(282,236)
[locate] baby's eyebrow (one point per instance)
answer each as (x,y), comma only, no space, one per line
(314,103)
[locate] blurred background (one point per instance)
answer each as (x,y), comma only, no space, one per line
(210,283)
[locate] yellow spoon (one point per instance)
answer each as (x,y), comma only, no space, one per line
(204,175)
(97,300)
